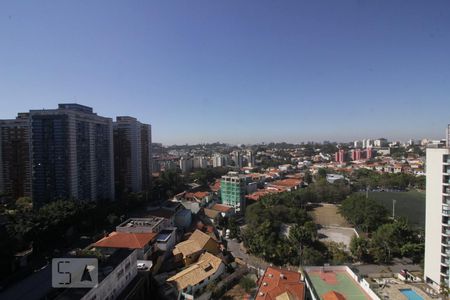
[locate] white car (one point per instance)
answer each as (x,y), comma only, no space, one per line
(141,266)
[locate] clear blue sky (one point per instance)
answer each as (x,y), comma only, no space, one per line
(235,71)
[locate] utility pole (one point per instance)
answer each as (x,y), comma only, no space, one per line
(393,208)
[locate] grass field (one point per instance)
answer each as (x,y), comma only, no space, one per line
(410,205)
(327,215)
(345,285)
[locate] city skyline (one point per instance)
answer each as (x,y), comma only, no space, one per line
(235,72)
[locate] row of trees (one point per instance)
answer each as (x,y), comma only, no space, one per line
(386,238)
(363,178)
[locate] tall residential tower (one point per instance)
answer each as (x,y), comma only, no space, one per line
(132,155)
(437,217)
(72,155)
(15,163)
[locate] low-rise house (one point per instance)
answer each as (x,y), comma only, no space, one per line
(398,168)
(211,214)
(263,192)
(277,284)
(198,243)
(331,178)
(198,275)
(289,184)
(224,210)
(141,225)
(143,243)
(174,211)
(166,239)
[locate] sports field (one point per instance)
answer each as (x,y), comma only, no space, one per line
(338,281)
(328,215)
(410,205)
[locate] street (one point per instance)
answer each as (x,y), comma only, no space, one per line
(252,261)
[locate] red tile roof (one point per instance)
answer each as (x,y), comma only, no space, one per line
(126,240)
(290,182)
(216,186)
(276,282)
(260,193)
(221,207)
(201,195)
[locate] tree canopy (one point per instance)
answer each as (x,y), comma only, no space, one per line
(364,213)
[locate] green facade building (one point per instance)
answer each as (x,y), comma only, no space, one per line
(232,191)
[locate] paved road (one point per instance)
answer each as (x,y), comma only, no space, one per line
(252,261)
(33,287)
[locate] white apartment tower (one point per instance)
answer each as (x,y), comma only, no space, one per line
(437,217)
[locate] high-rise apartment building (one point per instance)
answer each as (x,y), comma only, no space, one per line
(232,191)
(367,143)
(357,144)
(132,155)
(356,154)
(339,156)
(381,142)
(448,136)
(369,153)
(251,158)
(437,217)
(186,164)
(219,160)
(237,158)
(15,163)
(72,155)
(200,162)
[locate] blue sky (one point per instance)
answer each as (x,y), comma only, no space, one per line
(235,71)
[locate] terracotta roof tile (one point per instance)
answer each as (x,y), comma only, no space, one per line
(126,240)
(206,266)
(277,282)
(221,207)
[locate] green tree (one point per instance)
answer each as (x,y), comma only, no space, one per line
(359,248)
(302,236)
(364,213)
(337,253)
(308,177)
(322,173)
(24,203)
(312,257)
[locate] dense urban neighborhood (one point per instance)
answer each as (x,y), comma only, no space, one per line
(211,221)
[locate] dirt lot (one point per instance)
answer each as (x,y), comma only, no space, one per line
(236,293)
(338,235)
(334,227)
(327,215)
